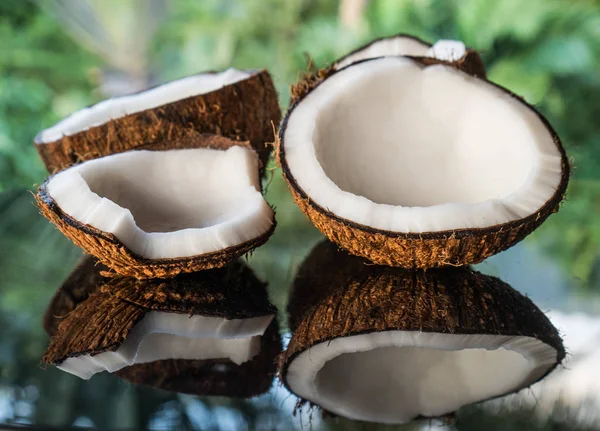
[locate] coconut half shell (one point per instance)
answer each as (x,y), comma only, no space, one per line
(241,106)
(102,321)
(384,161)
(389,345)
(152,214)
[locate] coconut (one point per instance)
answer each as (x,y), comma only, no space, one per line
(239,105)
(158,213)
(414,162)
(450,52)
(215,326)
(389,345)
(400,44)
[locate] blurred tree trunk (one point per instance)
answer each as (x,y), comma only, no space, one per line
(351,13)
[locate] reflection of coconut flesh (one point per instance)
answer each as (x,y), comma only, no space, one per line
(161,335)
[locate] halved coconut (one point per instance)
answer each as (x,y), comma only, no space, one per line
(387,345)
(400,44)
(211,322)
(419,165)
(240,105)
(158,213)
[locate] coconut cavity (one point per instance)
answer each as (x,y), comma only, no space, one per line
(162,205)
(121,106)
(401,375)
(396,146)
(415,344)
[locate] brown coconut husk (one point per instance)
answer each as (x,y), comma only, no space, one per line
(114,254)
(429,249)
(220,377)
(338,295)
(84,280)
(243,111)
(101,322)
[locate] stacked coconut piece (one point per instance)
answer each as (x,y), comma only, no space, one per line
(162,189)
(404,155)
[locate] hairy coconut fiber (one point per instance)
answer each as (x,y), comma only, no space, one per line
(243,111)
(99,317)
(419,250)
(114,254)
(220,377)
(84,280)
(338,295)
(232,291)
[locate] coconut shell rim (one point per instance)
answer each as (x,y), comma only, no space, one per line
(51,205)
(287,361)
(253,73)
(542,212)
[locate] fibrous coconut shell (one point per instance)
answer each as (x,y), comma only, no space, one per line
(96,315)
(83,280)
(114,254)
(428,249)
(242,111)
(338,295)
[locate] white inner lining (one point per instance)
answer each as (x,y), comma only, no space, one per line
(118,107)
(168,204)
(161,335)
(399,45)
(395,376)
(398,147)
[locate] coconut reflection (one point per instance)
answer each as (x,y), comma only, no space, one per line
(207,333)
(388,345)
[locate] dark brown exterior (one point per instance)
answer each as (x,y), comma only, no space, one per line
(244,111)
(115,255)
(338,295)
(420,250)
(84,280)
(101,321)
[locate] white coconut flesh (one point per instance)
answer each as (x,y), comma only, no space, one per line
(168,204)
(396,376)
(118,107)
(396,146)
(400,45)
(162,335)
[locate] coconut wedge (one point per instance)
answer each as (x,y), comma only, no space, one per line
(388,345)
(414,162)
(211,332)
(158,213)
(240,105)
